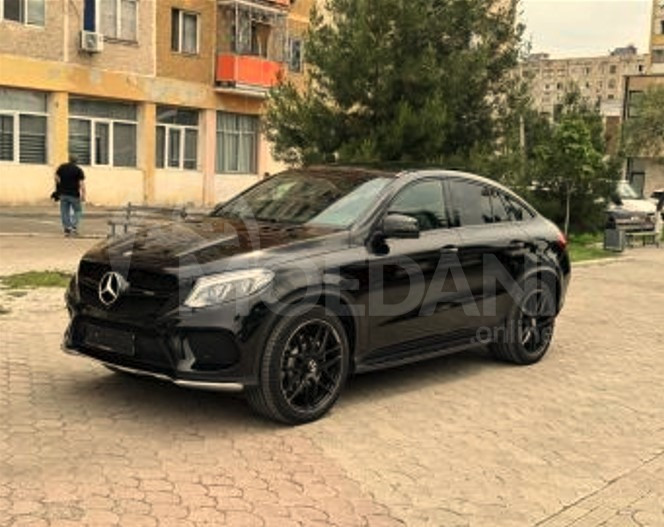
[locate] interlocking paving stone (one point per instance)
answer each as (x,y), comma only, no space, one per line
(576,440)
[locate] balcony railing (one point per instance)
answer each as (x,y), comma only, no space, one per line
(246,72)
(251,44)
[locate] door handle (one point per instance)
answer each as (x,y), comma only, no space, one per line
(517,245)
(449,249)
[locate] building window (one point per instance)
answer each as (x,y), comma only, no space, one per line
(237,143)
(103,133)
(177,138)
(633,100)
(31,12)
(661,27)
(23,125)
(612,84)
(295,55)
(658,56)
(184,31)
(117,18)
(611,96)
(613,69)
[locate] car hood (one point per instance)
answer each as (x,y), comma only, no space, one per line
(203,242)
(636,205)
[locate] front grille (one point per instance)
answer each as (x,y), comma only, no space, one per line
(151,351)
(149,293)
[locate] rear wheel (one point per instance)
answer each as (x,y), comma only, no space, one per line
(530,325)
(304,367)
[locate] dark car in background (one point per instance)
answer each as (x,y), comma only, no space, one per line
(315,274)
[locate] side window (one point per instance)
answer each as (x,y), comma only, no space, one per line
(516,211)
(423,201)
(472,203)
(500,207)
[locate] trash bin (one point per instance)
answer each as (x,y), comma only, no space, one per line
(614,240)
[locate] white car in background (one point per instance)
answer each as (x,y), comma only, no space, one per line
(630,211)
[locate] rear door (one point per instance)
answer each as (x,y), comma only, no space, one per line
(491,250)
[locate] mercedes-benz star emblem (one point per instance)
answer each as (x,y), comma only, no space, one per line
(111,286)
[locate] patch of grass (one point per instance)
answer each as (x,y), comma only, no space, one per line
(587,246)
(34,279)
(579,253)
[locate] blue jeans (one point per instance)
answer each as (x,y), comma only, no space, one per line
(70,212)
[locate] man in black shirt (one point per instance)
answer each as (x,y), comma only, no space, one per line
(70,185)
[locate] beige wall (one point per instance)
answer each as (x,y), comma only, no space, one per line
(21,184)
(654,170)
(113,186)
(177,187)
(226,186)
(200,67)
(135,57)
(34,41)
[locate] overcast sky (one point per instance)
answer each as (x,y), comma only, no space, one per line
(568,28)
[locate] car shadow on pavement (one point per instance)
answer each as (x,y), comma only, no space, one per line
(108,393)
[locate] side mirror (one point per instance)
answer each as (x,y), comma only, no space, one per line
(400,226)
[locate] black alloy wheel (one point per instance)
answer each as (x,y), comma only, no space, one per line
(304,366)
(535,327)
(311,367)
(530,325)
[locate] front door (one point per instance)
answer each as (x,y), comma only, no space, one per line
(408,308)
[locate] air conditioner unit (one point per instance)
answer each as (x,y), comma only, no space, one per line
(92,42)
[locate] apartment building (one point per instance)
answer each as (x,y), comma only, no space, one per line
(647,173)
(159,99)
(600,79)
(657,38)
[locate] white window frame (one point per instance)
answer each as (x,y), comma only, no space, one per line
(118,18)
(291,42)
(16,134)
(25,11)
(111,135)
(181,15)
(182,128)
(240,134)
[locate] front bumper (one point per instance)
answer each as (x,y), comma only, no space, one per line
(200,385)
(214,349)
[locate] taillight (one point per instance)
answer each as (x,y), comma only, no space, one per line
(562,241)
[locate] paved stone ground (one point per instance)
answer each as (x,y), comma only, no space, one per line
(576,440)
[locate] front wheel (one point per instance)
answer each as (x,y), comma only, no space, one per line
(529,328)
(304,367)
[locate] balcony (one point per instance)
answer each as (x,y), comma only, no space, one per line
(246,73)
(251,45)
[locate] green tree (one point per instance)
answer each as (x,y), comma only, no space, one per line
(398,81)
(573,175)
(643,133)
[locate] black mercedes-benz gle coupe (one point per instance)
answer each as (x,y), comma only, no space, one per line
(315,274)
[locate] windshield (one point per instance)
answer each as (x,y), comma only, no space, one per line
(335,200)
(626,191)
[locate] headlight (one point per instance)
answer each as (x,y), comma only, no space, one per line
(219,288)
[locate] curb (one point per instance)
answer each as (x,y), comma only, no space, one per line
(50,235)
(602,261)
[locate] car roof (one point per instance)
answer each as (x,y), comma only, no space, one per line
(395,172)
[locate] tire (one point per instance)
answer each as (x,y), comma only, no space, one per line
(528,331)
(304,367)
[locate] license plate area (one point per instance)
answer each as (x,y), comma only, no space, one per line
(109,339)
